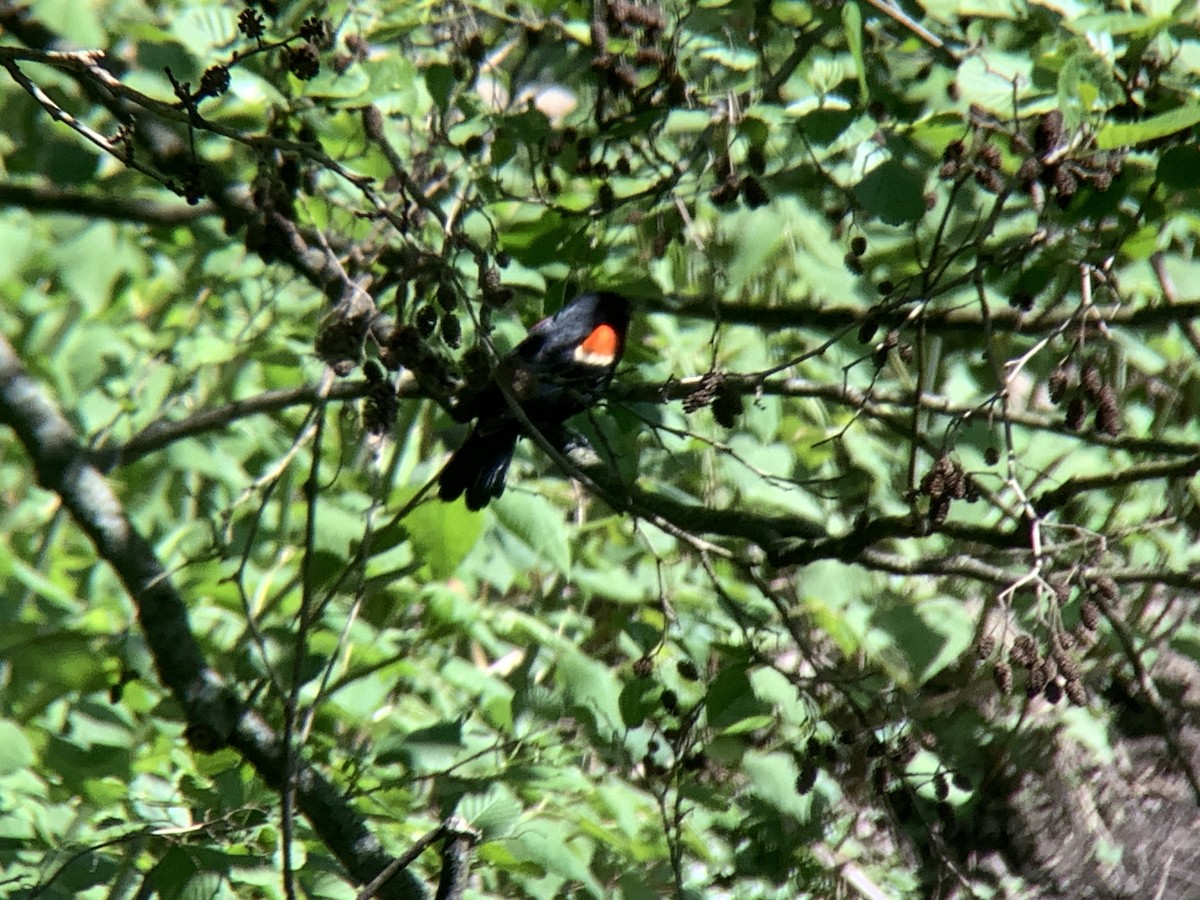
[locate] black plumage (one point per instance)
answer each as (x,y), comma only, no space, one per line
(561,368)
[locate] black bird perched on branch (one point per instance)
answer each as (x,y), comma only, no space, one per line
(561,368)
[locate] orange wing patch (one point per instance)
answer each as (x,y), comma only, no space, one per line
(600,347)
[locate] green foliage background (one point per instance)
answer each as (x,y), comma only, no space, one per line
(912,381)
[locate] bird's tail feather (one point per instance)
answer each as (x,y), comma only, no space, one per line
(478,468)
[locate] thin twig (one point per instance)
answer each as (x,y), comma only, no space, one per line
(400,863)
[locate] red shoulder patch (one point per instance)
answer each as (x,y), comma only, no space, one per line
(602,342)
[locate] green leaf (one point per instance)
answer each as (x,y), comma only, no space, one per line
(79,24)
(730,701)
(930,634)
(1125,23)
(92,261)
(1179,167)
(1085,83)
(60,659)
(33,580)
(792,12)
(330,85)
(1113,135)
(548,237)
(592,688)
(755,130)
(18,240)
(894,192)
(541,842)
(639,698)
(202,28)
(686,121)
(176,873)
(427,749)
(537,524)
(494,813)
(852,24)
(396,88)
(760,233)
(618,585)
(951,10)
(987,79)
(16,753)
(738,60)
(442,534)
(1142,243)
(773,779)
(439,81)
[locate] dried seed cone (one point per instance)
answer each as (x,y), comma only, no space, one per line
(986,645)
(1037,681)
(1076,412)
(1106,588)
(1076,693)
(1049,131)
(1024,651)
(1003,676)
(1058,384)
(1091,381)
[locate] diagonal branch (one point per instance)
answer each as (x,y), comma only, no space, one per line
(164,432)
(214,713)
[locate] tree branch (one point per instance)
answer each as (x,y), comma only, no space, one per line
(875,403)
(164,432)
(94,205)
(214,713)
(963,321)
(1075,486)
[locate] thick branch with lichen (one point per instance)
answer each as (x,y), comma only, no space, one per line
(215,715)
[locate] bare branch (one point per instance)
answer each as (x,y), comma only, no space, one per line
(94,205)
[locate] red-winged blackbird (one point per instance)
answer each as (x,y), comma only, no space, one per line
(562,367)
